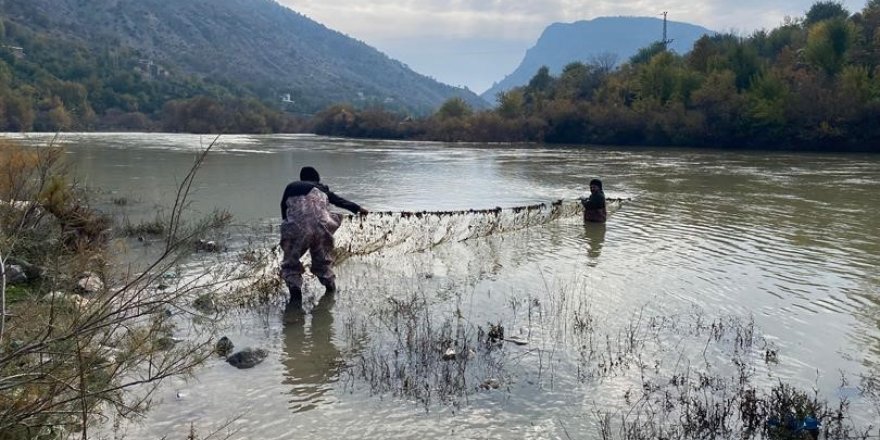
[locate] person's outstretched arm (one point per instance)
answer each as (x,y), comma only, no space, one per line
(344,204)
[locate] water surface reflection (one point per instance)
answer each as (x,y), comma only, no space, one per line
(595,237)
(313,362)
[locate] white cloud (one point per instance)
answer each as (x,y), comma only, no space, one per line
(431,35)
(524,20)
(399,19)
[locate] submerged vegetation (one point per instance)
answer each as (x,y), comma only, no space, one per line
(812,83)
(688,375)
(438,344)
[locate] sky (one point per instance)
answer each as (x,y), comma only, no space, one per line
(473,43)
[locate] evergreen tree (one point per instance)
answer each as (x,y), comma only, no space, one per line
(825,10)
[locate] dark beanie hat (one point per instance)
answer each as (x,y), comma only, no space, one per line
(596,182)
(309,174)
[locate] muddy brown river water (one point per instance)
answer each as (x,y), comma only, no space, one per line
(780,250)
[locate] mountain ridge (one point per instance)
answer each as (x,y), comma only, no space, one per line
(261,43)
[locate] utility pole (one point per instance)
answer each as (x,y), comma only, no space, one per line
(665,40)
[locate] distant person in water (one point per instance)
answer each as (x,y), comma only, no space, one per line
(309,226)
(594,205)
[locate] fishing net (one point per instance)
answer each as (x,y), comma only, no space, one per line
(392,233)
(419,231)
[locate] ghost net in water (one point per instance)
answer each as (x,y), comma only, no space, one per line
(418,231)
(402,233)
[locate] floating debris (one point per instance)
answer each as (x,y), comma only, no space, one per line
(496,332)
(794,427)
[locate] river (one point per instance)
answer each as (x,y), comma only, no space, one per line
(787,244)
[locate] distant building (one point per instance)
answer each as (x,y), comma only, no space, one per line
(17,52)
(150,69)
(286,98)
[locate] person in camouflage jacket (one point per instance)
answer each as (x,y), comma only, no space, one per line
(308,225)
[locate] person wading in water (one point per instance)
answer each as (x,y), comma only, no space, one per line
(594,205)
(308,225)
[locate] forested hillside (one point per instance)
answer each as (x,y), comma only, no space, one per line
(812,83)
(117,64)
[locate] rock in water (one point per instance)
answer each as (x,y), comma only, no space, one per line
(90,283)
(490,384)
(61,298)
(205,304)
(165,343)
(15,274)
(224,346)
(247,358)
(209,246)
(31,271)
